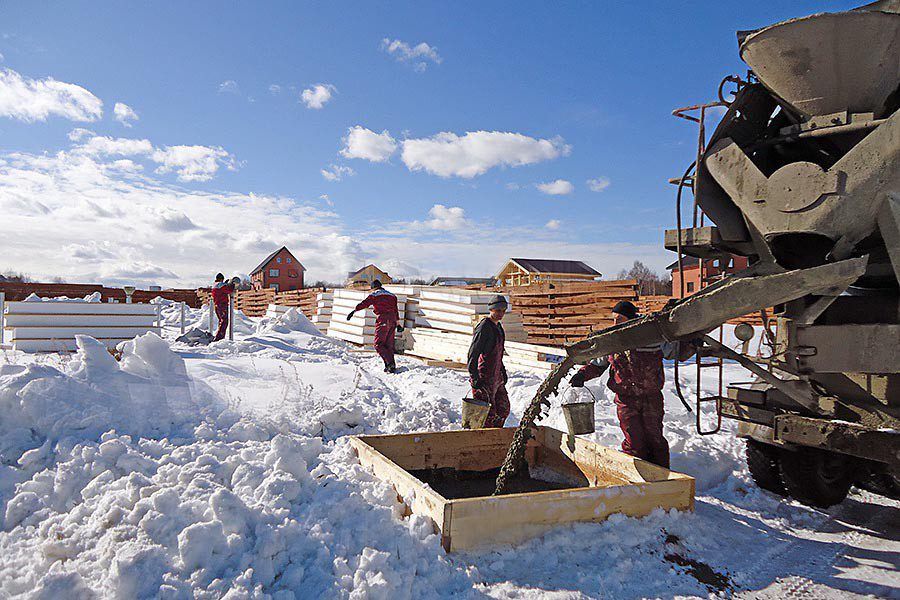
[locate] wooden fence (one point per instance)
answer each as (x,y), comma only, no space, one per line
(253,303)
(16,291)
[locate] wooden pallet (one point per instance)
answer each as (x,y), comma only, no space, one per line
(603,482)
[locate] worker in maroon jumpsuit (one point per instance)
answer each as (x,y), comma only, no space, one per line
(221,291)
(485,363)
(637,378)
(384,304)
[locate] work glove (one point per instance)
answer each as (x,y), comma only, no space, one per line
(476,383)
(577,380)
(399,328)
(350,315)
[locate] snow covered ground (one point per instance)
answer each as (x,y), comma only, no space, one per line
(224,471)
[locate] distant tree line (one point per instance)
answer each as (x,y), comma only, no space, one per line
(650,283)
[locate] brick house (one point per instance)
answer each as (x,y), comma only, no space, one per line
(696,278)
(280,270)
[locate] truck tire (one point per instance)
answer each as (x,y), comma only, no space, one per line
(817,477)
(765,466)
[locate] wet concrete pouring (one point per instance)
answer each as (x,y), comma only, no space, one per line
(453,484)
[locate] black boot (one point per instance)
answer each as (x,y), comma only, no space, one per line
(391,368)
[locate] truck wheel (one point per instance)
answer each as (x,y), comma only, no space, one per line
(817,477)
(765,466)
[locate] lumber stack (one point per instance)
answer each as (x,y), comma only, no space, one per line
(530,357)
(305,300)
(650,304)
(52,326)
(460,311)
(324,302)
(361,328)
(559,314)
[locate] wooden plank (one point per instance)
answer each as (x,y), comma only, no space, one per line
(479,451)
(418,498)
(479,522)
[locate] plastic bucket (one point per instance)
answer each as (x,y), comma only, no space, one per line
(579,417)
(474,413)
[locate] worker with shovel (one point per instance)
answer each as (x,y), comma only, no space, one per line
(485,363)
(384,305)
(637,378)
(221,293)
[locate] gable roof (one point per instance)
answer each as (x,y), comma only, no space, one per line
(269,258)
(542,265)
(686,261)
(466,280)
(352,274)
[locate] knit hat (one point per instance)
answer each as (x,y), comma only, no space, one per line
(626,309)
(376,284)
(498,301)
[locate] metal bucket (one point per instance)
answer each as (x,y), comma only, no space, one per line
(579,417)
(474,413)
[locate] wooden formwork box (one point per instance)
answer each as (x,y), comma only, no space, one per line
(605,481)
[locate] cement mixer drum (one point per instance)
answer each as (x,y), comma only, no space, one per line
(829,63)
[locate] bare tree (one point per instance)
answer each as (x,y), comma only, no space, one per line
(650,283)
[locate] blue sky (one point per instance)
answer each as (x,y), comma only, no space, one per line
(224,159)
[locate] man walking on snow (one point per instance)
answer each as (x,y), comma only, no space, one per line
(384,304)
(485,364)
(637,378)
(221,291)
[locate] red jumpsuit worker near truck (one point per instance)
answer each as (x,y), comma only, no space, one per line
(637,378)
(384,304)
(221,291)
(485,364)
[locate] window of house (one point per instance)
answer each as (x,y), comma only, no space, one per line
(690,286)
(274,286)
(274,272)
(278,260)
(292,273)
(288,259)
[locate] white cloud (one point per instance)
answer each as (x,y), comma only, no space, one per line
(472,154)
(229,86)
(446,218)
(317,96)
(552,224)
(560,187)
(124,114)
(512,186)
(368,145)
(274,89)
(120,228)
(598,184)
(418,56)
(31,100)
(337,172)
(193,163)
(107,146)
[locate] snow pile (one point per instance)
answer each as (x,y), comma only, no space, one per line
(147,393)
(95,297)
(120,494)
(290,321)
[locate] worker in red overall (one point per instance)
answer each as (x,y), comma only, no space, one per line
(384,304)
(221,292)
(485,363)
(637,378)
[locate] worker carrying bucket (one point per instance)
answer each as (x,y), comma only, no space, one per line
(486,371)
(637,378)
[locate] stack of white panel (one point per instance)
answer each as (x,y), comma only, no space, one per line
(530,357)
(276,310)
(324,302)
(412,293)
(361,328)
(461,311)
(52,326)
